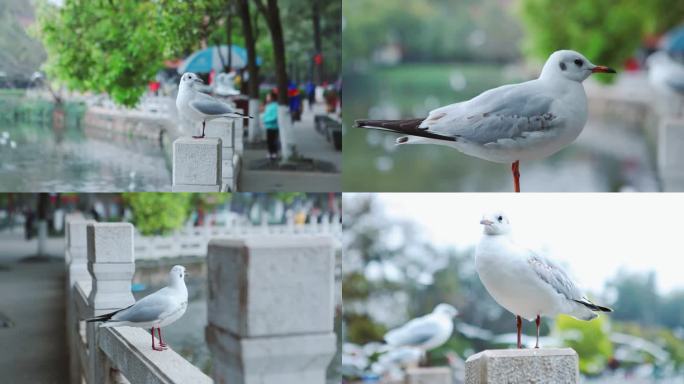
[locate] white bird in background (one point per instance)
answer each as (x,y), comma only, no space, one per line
(197,106)
(515,122)
(523,282)
(156,310)
(426,332)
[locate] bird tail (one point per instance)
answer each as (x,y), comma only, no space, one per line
(409,127)
(105,317)
(592,306)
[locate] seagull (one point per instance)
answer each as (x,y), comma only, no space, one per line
(426,332)
(510,123)
(665,73)
(156,310)
(524,283)
(197,106)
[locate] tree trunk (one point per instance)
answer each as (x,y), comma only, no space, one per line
(318,45)
(272,14)
(43,200)
(229,33)
(252,69)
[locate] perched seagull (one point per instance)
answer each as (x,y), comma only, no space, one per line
(510,123)
(197,106)
(426,332)
(523,282)
(156,310)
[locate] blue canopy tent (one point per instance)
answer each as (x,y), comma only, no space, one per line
(205,60)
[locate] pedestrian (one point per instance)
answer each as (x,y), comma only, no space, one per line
(270,119)
(311,93)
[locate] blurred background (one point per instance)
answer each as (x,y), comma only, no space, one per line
(171,228)
(87,89)
(406,253)
(404,58)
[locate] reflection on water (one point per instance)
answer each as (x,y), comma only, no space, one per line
(610,154)
(59,157)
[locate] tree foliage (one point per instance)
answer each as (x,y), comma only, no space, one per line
(159,213)
(102,46)
(589,338)
(606,32)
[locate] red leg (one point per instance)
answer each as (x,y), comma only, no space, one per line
(161,341)
(538,322)
(519,324)
(153,347)
(516,175)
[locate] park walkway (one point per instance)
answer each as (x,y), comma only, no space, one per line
(33,300)
(310,144)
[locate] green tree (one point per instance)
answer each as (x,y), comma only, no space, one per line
(607,32)
(589,338)
(102,46)
(159,213)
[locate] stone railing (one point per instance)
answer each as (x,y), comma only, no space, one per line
(210,164)
(546,365)
(270,310)
(194,241)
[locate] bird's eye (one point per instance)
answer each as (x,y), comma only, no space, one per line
(579,62)
(500,218)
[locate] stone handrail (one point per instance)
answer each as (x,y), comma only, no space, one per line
(270,309)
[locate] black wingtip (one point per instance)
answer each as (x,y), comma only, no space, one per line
(594,307)
(359,123)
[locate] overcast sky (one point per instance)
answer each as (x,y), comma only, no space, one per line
(593,235)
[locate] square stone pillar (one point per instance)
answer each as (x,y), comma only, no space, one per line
(546,365)
(111,265)
(671,155)
(197,164)
(271,309)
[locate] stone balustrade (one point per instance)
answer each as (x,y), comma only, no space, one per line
(270,309)
(546,365)
(197,165)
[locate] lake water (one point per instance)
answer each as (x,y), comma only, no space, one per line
(38,157)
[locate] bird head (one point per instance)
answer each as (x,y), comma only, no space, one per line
(190,79)
(572,66)
(177,274)
(496,223)
(446,309)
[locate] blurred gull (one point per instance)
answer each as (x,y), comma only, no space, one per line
(523,282)
(156,310)
(197,106)
(510,123)
(665,73)
(426,332)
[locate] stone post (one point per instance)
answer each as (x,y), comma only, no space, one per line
(197,165)
(75,255)
(670,154)
(548,365)
(111,265)
(271,309)
(226,130)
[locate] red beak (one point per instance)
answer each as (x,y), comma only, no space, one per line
(602,69)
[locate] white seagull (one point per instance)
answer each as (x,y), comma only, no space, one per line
(426,332)
(197,106)
(156,310)
(523,282)
(510,123)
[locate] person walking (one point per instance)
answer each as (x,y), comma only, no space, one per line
(270,119)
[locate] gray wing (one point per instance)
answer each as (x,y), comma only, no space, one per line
(555,277)
(415,332)
(676,84)
(507,112)
(149,308)
(211,107)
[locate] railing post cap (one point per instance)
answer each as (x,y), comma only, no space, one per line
(110,243)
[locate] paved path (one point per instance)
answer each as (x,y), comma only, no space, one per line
(310,144)
(32,297)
